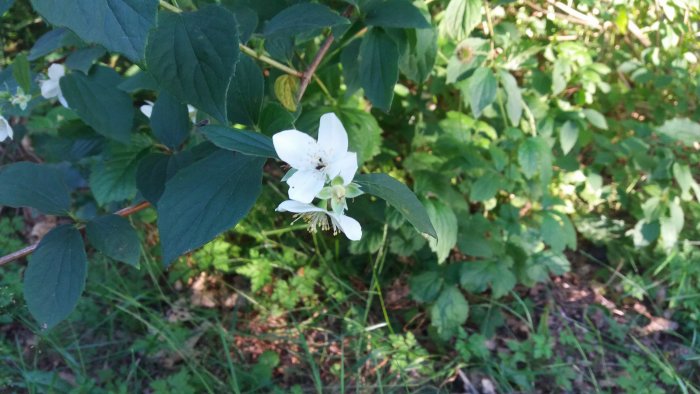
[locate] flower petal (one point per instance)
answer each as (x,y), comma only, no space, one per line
(332,137)
(349,226)
(298,149)
(5,129)
(56,71)
(49,88)
(345,166)
(304,185)
(62,100)
(297,207)
(147,109)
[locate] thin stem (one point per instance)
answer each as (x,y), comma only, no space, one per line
(489,22)
(272,62)
(308,74)
(169,6)
(29,249)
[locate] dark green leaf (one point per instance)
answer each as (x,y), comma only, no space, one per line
(349,58)
(114,177)
(139,81)
(534,155)
(275,118)
(395,13)
(477,276)
(151,175)
(5,5)
(99,102)
(246,93)
(205,199)
(568,135)
(193,56)
(33,185)
(83,58)
(55,276)
(558,231)
(246,142)
(514,102)
(115,238)
(449,312)
(400,197)
(445,222)
(379,68)
(418,58)
(118,25)
(21,72)
(681,129)
(301,18)
(170,120)
(460,18)
(48,43)
(426,287)
(485,187)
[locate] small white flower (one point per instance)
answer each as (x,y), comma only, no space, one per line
(316,162)
(51,87)
(147,109)
(318,217)
(5,129)
(21,99)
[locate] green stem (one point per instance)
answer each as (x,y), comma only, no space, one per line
(272,62)
(169,6)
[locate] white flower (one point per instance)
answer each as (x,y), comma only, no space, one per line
(316,162)
(315,217)
(147,109)
(51,87)
(21,99)
(5,129)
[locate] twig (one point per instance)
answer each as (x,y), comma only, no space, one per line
(272,62)
(30,249)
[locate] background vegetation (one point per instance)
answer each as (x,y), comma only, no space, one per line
(554,145)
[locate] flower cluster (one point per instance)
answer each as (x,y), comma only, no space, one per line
(322,169)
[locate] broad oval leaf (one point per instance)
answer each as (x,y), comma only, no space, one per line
(118,25)
(514,102)
(395,13)
(33,185)
(445,222)
(170,120)
(55,276)
(301,18)
(245,97)
(114,177)
(681,129)
(400,197)
(379,68)
(205,199)
(115,238)
(568,135)
(449,312)
(193,55)
(100,103)
(243,141)
(481,90)
(461,17)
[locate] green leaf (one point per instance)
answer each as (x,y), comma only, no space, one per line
(349,58)
(205,199)
(55,276)
(449,312)
(672,225)
(596,118)
(33,185)
(48,43)
(114,178)
(275,118)
(400,197)
(5,5)
(568,135)
(118,25)
(21,72)
(364,133)
(100,103)
(534,156)
(426,287)
(686,181)
(481,90)
(445,222)
(395,13)
(478,275)
(514,102)
(379,68)
(417,60)
(193,56)
(558,231)
(83,58)
(681,129)
(485,187)
(170,120)
(472,238)
(245,97)
(115,238)
(285,88)
(460,18)
(302,18)
(246,142)
(151,175)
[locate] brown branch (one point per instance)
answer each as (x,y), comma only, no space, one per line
(31,248)
(311,70)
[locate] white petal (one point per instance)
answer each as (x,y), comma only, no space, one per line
(332,137)
(345,166)
(297,207)
(348,225)
(298,149)
(304,185)
(5,129)
(62,100)
(56,71)
(147,109)
(49,88)
(192,112)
